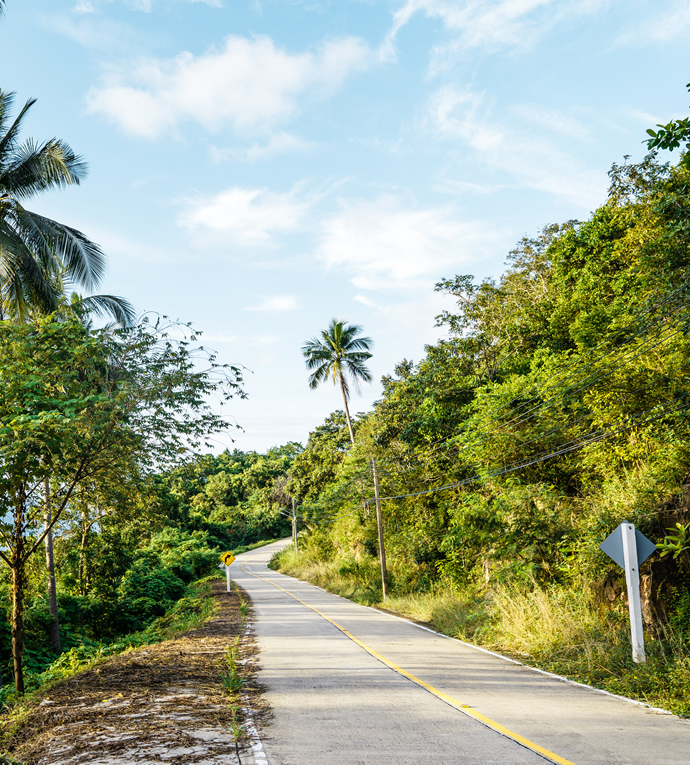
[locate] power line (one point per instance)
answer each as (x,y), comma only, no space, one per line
(579,360)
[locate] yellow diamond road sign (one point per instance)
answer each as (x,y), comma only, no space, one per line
(227,558)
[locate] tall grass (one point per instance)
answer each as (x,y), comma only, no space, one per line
(565,630)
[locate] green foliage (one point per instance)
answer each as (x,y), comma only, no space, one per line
(188,613)
(556,408)
(677,542)
(671,136)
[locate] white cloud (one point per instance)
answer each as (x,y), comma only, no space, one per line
(462,115)
(386,244)
(245,216)
(451,186)
(486,23)
(84,6)
(95,32)
(660,27)
(553,119)
(250,85)
(280,143)
(276,303)
(364,300)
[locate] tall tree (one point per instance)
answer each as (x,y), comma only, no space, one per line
(76,406)
(339,353)
(39,257)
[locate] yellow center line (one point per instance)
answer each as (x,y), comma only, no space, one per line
(464,708)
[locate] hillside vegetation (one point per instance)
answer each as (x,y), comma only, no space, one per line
(129,558)
(556,408)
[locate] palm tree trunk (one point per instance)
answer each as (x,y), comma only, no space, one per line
(347,412)
(50,565)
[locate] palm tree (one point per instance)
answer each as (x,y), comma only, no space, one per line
(339,353)
(40,258)
(38,255)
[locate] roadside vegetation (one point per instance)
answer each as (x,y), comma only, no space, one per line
(133,567)
(557,408)
(110,518)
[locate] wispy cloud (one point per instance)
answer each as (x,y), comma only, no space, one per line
(490,24)
(659,27)
(96,32)
(146,6)
(552,119)
(280,143)
(387,244)
(276,303)
(463,116)
(245,216)
(364,300)
(249,85)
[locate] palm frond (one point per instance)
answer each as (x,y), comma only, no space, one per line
(109,305)
(340,353)
(82,259)
(32,169)
(9,137)
(22,274)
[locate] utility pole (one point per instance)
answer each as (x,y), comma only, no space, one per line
(294,525)
(379,521)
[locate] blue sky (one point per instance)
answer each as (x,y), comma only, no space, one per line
(261,166)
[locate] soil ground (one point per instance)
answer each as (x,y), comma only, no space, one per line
(164,703)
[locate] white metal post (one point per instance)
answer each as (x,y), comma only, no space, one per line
(227,576)
(632,579)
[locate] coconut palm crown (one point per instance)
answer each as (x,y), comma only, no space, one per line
(38,256)
(341,354)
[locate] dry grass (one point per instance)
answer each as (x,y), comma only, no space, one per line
(560,629)
(165,702)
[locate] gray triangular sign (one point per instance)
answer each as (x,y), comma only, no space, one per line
(613,546)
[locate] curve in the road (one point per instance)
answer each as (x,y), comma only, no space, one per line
(464,708)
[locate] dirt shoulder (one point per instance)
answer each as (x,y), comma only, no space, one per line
(165,703)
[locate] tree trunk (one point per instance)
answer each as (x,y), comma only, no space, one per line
(82,552)
(18,586)
(347,412)
(83,563)
(50,565)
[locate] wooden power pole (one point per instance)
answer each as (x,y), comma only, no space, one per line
(294,525)
(379,521)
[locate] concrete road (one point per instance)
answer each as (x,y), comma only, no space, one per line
(349,684)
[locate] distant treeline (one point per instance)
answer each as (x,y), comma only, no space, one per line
(125,554)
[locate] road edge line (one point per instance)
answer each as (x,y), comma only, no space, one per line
(464,708)
(577,683)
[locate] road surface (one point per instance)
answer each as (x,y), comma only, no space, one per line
(349,685)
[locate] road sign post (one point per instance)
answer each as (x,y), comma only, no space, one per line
(629,548)
(226,559)
(632,580)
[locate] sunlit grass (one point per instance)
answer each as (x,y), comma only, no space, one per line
(561,629)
